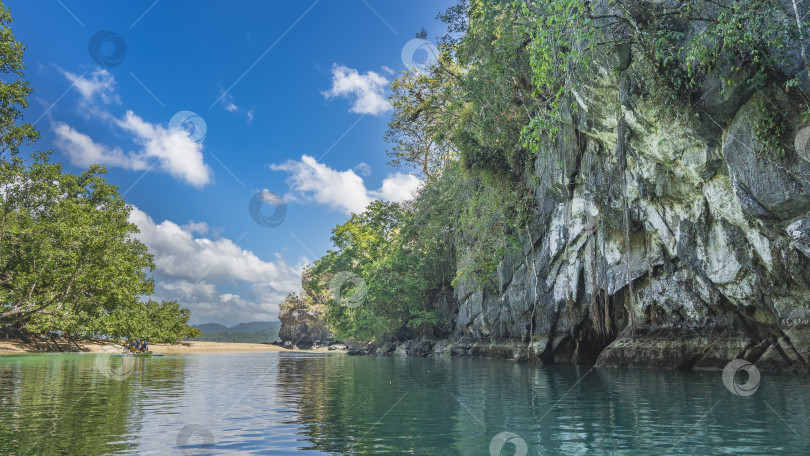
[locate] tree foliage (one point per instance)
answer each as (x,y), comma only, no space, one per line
(422,123)
(69,261)
(14,90)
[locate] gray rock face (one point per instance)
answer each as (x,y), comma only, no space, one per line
(799,232)
(302,328)
(718,233)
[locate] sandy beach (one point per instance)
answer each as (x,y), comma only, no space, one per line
(17,346)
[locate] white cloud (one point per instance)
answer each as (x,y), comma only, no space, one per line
(179,255)
(344,191)
(200,273)
(366,91)
(175,151)
(209,305)
(227,297)
(363,169)
(171,150)
(196,227)
(83,151)
(99,86)
(229,105)
(313,181)
(397,187)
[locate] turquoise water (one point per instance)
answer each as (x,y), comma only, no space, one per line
(292,403)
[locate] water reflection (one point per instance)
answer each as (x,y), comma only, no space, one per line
(294,403)
(364,405)
(68,397)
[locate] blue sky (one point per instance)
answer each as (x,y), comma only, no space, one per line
(290,96)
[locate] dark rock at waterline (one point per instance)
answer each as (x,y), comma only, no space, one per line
(697,348)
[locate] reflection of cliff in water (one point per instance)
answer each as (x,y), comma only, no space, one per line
(365,405)
(374,405)
(64,404)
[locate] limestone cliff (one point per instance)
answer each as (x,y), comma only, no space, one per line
(301,318)
(709,261)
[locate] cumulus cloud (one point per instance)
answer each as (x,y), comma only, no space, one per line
(397,187)
(83,151)
(313,181)
(209,305)
(363,169)
(201,273)
(157,147)
(196,227)
(172,151)
(366,92)
(344,191)
(181,255)
(175,151)
(99,86)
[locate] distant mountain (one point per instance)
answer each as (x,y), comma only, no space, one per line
(253,332)
(210,327)
(255,326)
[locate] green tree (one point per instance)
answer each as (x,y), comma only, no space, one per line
(14,90)
(69,261)
(162,322)
(423,119)
(360,243)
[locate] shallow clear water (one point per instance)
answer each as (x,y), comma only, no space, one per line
(291,403)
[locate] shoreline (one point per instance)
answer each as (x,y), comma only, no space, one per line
(15,346)
(647,351)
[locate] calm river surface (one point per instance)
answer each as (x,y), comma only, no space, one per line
(291,403)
